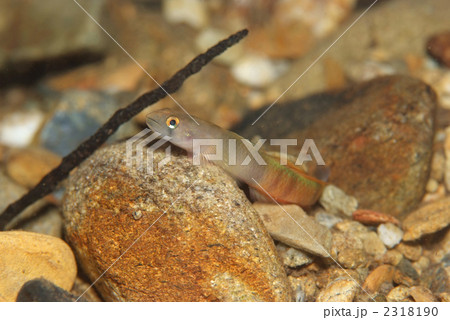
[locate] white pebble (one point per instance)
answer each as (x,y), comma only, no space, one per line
(326,219)
(192,12)
(390,234)
(257,71)
(18,129)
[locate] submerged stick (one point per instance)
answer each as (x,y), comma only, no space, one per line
(84,150)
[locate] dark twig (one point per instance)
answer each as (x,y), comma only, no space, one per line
(84,150)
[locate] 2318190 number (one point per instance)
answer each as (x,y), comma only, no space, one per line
(410,311)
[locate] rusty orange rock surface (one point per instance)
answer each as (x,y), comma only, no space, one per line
(184,233)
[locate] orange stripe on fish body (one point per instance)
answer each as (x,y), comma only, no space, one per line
(289,184)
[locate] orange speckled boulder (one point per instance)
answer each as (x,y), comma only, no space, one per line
(192,234)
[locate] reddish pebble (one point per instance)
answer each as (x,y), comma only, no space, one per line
(438,46)
(373,218)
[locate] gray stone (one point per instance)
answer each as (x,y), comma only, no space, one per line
(291,225)
(78,114)
(292,257)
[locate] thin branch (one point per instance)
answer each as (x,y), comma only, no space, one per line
(84,150)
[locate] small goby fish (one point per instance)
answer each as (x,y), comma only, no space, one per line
(284,183)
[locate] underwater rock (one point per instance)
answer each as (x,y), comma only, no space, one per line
(376,138)
(438,46)
(182,233)
(78,114)
(291,225)
(28,166)
(428,219)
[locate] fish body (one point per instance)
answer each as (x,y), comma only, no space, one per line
(261,171)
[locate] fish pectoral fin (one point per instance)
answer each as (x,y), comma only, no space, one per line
(257,195)
(261,196)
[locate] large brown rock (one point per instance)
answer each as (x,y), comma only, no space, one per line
(376,137)
(184,233)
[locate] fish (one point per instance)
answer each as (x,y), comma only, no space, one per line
(268,180)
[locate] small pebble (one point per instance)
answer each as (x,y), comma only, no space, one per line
(379,276)
(28,166)
(421,264)
(19,128)
(406,269)
(373,244)
(352,227)
(390,234)
(410,251)
(341,290)
(348,250)
(336,201)
(326,219)
(444,296)
(27,255)
(393,257)
(438,46)
(399,294)
(437,166)
(192,12)
(432,186)
(421,294)
(292,257)
(370,217)
(305,287)
(437,195)
(427,219)
(258,71)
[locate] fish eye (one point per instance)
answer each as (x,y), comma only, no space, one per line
(172,122)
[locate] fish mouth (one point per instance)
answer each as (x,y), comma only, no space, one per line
(156,127)
(152,123)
